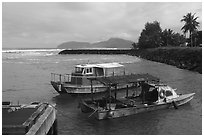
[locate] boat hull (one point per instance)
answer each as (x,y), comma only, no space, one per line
(107,114)
(65,88)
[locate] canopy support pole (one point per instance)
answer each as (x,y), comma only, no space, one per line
(60,78)
(109,97)
(126,91)
(91,90)
(136,88)
(115,92)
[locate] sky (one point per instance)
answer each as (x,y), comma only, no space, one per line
(48,24)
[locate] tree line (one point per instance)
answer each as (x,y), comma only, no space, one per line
(152,35)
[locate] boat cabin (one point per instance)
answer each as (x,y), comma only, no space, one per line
(156,93)
(106,69)
(165,92)
(82,72)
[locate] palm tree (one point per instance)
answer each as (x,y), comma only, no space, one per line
(167,37)
(190,24)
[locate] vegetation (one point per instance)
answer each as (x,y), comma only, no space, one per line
(190,25)
(196,39)
(150,36)
(169,38)
(153,36)
(189,58)
(169,47)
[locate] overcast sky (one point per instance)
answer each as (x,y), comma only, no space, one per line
(46,25)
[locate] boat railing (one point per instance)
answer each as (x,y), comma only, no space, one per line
(60,77)
(68,78)
(83,79)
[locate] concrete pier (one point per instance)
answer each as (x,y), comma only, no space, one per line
(97,51)
(34,119)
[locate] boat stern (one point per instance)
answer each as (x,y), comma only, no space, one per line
(58,87)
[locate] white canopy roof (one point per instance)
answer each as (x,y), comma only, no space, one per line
(103,65)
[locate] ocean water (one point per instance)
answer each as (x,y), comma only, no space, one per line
(26,78)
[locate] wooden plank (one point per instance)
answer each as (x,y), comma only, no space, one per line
(44,123)
(33,118)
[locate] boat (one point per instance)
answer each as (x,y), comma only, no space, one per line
(77,82)
(148,96)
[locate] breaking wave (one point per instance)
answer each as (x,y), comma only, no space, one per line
(15,53)
(28,50)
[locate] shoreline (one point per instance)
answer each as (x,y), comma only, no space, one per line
(189,58)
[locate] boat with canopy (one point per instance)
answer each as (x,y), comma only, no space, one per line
(152,96)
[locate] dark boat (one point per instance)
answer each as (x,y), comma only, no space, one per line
(152,96)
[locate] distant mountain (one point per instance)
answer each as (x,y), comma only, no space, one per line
(73,45)
(111,43)
(114,43)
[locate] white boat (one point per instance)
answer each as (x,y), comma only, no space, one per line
(151,97)
(77,82)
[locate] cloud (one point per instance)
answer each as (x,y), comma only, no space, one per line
(49,24)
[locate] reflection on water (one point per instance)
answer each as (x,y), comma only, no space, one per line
(26,78)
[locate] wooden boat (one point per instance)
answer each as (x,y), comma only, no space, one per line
(77,82)
(153,96)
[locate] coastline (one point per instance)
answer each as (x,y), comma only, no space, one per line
(189,58)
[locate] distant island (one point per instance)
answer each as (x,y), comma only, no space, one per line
(111,43)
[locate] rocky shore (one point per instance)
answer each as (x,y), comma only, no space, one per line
(182,57)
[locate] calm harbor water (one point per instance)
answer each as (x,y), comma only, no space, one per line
(26,78)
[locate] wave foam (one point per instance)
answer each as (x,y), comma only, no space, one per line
(31,52)
(28,50)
